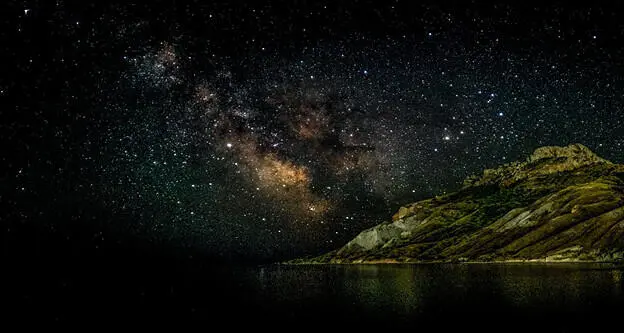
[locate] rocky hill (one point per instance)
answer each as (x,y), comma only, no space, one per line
(562,203)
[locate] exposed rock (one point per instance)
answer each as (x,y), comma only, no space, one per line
(562,203)
(543,161)
(574,153)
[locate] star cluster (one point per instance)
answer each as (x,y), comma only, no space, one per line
(279,130)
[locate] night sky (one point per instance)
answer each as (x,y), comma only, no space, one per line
(269,131)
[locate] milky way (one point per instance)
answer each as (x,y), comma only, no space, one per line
(274,131)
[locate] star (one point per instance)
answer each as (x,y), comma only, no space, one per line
(202,128)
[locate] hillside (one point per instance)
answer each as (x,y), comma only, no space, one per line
(562,203)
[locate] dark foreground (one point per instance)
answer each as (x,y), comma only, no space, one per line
(487,297)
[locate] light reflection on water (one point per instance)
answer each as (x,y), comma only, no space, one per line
(409,292)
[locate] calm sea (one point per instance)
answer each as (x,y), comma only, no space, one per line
(425,298)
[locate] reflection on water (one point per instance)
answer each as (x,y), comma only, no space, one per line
(406,293)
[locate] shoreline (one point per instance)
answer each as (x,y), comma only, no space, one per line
(469,262)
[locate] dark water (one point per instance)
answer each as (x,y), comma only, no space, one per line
(488,297)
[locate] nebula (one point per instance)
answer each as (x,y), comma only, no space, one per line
(285,183)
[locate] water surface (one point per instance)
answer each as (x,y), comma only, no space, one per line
(562,297)
(442,297)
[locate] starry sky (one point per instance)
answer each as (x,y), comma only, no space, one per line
(274,130)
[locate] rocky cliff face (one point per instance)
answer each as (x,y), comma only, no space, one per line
(562,203)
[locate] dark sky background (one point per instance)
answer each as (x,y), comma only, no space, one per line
(255,131)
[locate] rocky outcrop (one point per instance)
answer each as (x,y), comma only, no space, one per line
(575,154)
(562,203)
(543,161)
